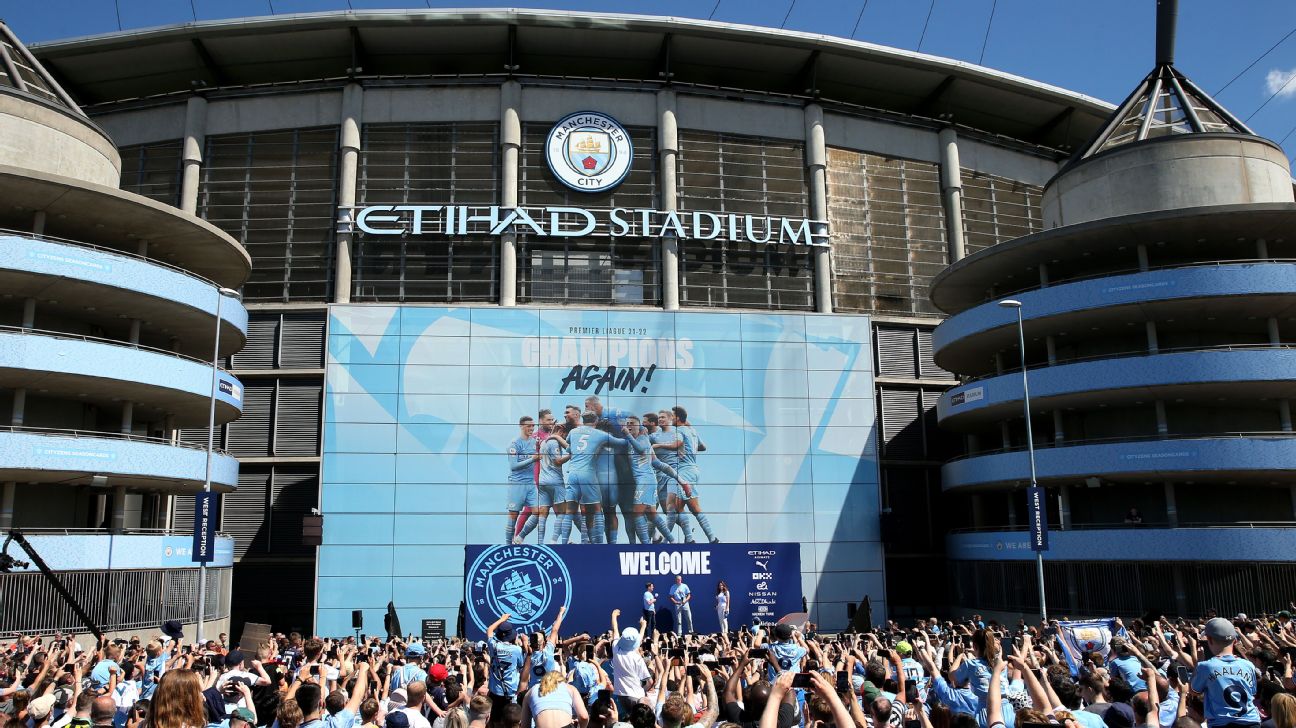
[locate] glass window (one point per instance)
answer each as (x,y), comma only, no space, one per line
(275,192)
(153,170)
(730,173)
(888,232)
(427,164)
(606,271)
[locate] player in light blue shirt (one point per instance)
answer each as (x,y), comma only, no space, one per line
(688,469)
(785,653)
(551,490)
(680,596)
(643,461)
(586,443)
(666,443)
(506,660)
(1227,683)
(522,457)
(616,479)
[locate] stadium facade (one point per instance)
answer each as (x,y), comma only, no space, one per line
(781,188)
(110,303)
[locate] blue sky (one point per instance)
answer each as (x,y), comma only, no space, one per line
(1098,47)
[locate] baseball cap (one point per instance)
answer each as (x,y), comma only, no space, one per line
(504,630)
(904,648)
(244,715)
(415,650)
(397,719)
(1284,614)
(40,708)
(1119,715)
(1221,629)
(439,673)
(173,629)
(233,658)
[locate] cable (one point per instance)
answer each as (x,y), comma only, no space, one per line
(1251,65)
(1289,133)
(713,10)
(117,5)
(922,37)
(1272,96)
(859,17)
(271,4)
(789,14)
(985,41)
(194,7)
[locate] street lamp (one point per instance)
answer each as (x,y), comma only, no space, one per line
(1035,501)
(221,293)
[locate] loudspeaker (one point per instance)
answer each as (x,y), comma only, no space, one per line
(357,619)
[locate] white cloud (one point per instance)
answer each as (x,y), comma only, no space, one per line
(1281,82)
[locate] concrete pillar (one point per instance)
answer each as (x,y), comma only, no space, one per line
(169,428)
(119,509)
(1005,435)
(667,150)
(7,505)
(1043,275)
(128,418)
(510,144)
(195,136)
(1172,509)
(999,362)
(1163,425)
(19,407)
(1284,415)
(951,177)
(133,336)
(1012,509)
(1262,249)
(1292,489)
(1064,507)
(1150,326)
(348,169)
(38,222)
(1050,346)
(1181,595)
(29,313)
(1142,257)
(816,150)
(1059,432)
(1275,336)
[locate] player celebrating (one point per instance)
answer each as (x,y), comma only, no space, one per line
(667,443)
(688,470)
(586,443)
(644,462)
(552,490)
(617,482)
(521,478)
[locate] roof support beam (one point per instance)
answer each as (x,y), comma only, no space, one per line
(511,58)
(808,76)
(664,58)
(931,104)
(209,63)
(1045,130)
(359,56)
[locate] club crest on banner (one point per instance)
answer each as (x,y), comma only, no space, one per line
(589,151)
(529,582)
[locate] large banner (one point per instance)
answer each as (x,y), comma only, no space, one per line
(531,582)
(447,427)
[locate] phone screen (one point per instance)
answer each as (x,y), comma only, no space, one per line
(1006,644)
(843,681)
(1184,674)
(802,680)
(757,653)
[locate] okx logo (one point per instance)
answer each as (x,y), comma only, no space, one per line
(529,582)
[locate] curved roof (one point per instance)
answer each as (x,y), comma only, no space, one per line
(495,42)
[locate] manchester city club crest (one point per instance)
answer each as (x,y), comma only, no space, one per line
(529,582)
(589,151)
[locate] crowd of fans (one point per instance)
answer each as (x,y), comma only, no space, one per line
(1168,673)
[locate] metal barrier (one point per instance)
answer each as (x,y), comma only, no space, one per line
(115,600)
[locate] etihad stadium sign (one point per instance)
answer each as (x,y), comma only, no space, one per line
(576,222)
(589,152)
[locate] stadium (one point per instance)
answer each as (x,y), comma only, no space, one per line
(456,219)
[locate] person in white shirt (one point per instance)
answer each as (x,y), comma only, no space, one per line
(722,605)
(628,667)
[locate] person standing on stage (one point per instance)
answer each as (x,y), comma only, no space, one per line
(649,610)
(680,596)
(722,605)
(522,455)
